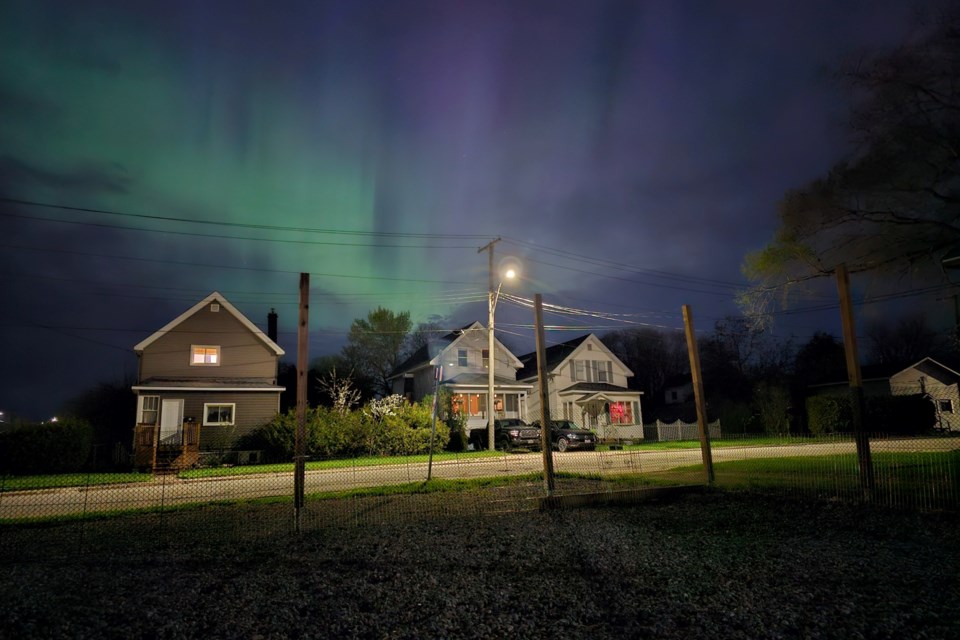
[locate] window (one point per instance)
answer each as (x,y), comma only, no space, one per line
(218,414)
(605,374)
(462,357)
(579,370)
(513,403)
(204,355)
(621,413)
(593,371)
(471,404)
(150,410)
(485,356)
(945,406)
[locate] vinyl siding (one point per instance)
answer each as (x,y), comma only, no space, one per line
(242,354)
(253,409)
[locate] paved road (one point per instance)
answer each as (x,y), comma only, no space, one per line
(167,491)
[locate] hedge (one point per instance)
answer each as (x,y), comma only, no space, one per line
(51,447)
(884,415)
(331,433)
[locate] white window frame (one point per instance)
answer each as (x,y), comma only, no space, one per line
(945,408)
(155,410)
(485,359)
(206,347)
(463,358)
(233,414)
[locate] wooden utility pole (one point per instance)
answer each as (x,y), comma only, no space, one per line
(698,396)
(864,461)
(491,361)
(299,458)
(545,435)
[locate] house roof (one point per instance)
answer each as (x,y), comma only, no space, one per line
(930,367)
(426,354)
(554,355)
(213,297)
(422,356)
(209,384)
(597,387)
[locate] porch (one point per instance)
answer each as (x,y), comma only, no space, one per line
(170,451)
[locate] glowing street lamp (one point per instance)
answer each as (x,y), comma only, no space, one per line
(509,274)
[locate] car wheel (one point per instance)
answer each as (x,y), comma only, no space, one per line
(562,444)
(503,444)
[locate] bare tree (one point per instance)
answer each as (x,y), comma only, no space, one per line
(893,207)
(902,342)
(344,396)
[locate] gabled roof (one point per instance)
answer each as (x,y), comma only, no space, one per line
(213,297)
(557,354)
(554,354)
(930,367)
(428,353)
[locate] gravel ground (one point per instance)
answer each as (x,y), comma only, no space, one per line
(701,566)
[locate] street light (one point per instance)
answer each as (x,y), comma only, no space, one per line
(491,360)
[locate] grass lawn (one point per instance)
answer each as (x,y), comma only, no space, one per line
(21,483)
(930,479)
(343,463)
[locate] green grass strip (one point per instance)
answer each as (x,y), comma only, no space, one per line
(23,483)
(344,463)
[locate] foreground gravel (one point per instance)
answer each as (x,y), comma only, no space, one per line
(702,566)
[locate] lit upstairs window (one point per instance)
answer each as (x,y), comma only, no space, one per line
(205,355)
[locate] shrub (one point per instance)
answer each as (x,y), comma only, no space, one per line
(828,414)
(390,428)
(52,447)
(736,417)
(772,405)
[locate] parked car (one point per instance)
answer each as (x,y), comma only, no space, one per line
(566,435)
(508,434)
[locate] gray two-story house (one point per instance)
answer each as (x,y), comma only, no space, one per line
(205,379)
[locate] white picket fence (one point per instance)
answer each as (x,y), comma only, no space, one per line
(663,431)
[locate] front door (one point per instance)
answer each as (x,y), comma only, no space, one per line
(171,420)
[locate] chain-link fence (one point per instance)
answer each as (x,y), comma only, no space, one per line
(236,493)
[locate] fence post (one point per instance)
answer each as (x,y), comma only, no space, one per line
(299,466)
(698,394)
(546,439)
(865,464)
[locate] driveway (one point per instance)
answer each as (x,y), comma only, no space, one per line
(165,491)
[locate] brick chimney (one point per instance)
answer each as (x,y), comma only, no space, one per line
(272,325)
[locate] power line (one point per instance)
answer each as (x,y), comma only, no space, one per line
(224,266)
(247,238)
(243,225)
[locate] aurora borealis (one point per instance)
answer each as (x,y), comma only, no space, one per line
(650,135)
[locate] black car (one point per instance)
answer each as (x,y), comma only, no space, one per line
(566,435)
(508,433)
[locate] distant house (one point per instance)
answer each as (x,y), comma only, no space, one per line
(678,390)
(928,378)
(205,379)
(464,356)
(588,385)
(936,382)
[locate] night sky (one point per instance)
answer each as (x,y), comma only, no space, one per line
(628,153)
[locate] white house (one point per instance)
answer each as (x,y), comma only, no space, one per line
(587,385)
(464,356)
(935,381)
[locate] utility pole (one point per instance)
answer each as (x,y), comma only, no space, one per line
(299,466)
(698,396)
(545,435)
(865,463)
(491,361)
